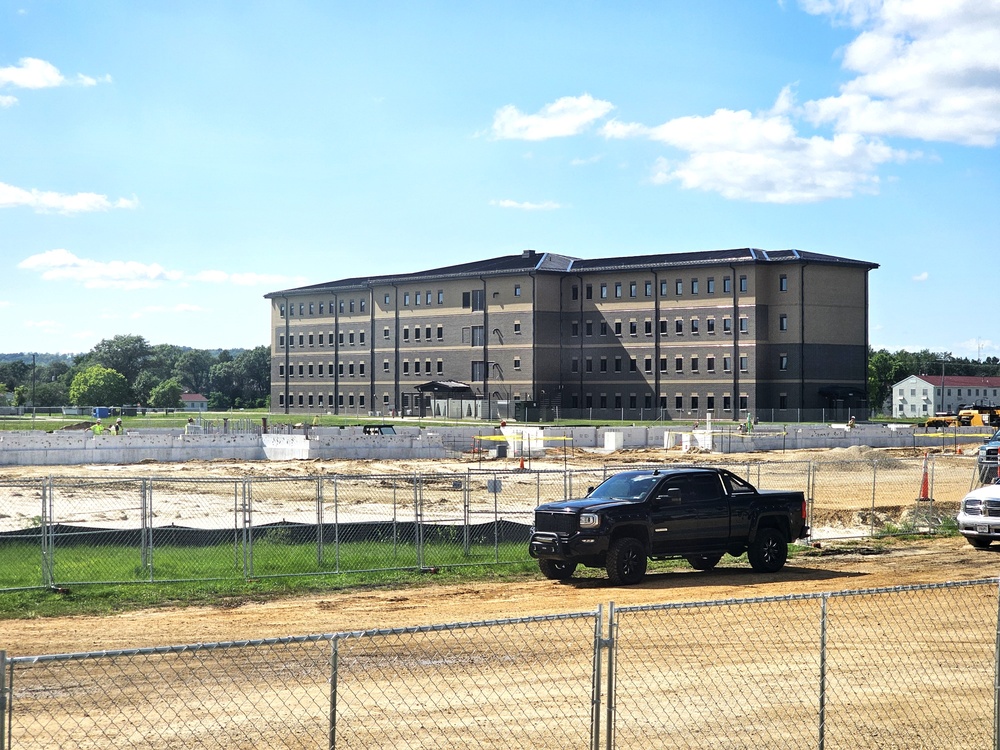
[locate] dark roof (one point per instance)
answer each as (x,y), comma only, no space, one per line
(531,261)
(453,387)
(962,381)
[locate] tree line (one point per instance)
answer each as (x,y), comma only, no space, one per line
(127,370)
(886,368)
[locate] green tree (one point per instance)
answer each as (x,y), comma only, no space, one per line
(253,374)
(192,369)
(162,360)
(144,385)
(125,354)
(167,395)
(99,386)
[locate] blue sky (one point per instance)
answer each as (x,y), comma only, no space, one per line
(165,164)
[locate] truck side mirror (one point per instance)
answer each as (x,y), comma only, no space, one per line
(672,496)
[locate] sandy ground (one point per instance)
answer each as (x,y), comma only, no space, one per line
(832,566)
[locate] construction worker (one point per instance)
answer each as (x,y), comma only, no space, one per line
(97,428)
(117,427)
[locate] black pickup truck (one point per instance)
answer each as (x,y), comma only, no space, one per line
(697,514)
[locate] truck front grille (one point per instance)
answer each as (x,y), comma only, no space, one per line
(555,523)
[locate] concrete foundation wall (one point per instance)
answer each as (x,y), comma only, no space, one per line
(69,448)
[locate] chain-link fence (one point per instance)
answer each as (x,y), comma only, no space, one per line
(904,667)
(62,531)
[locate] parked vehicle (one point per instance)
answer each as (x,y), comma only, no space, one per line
(979,516)
(986,459)
(695,513)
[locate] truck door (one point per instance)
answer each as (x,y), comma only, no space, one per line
(690,513)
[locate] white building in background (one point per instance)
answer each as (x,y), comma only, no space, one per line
(921,396)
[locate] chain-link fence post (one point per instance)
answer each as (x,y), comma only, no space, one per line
(418,516)
(331,740)
(821,740)
(3,700)
(609,697)
(996,682)
(48,545)
(874,492)
(320,528)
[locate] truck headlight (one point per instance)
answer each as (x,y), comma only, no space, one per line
(589,520)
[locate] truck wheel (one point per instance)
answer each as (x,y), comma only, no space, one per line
(703,562)
(626,561)
(768,551)
(556,570)
(979,542)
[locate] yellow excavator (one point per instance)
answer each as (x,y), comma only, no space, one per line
(977,414)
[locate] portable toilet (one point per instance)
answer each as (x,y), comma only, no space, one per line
(100,412)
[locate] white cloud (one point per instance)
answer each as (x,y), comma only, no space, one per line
(31,73)
(526,205)
(567,116)
(922,276)
(8,101)
(43,201)
(62,265)
(167,310)
(582,162)
(743,156)
(925,69)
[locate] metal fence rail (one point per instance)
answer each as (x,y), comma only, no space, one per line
(64,531)
(902,667)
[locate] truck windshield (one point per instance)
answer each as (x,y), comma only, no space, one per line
(625,487)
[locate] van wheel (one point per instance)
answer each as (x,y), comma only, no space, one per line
(768,551)
(626,561)
(556,570)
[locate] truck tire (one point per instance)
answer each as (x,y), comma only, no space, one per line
(979,542)
(556,570)
(768,551)
(626,561)
(703,562)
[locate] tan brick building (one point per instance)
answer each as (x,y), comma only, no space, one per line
(673,336)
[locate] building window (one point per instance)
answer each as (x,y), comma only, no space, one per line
(574,365)
(782,322)
(694,364)
(416,299)
(744,363)
(648,288)
(694,286)
(694,325)
(302,340)
(727,325)
(678,364)
(663,364)
(710,363)
(406,299)
(647,364)
(743,283)
(604,364)
(727,284)
(440,296)
(710,403)
(618,364)
(517,290)
(679,326)
(385,365)
(783,283)
(710,285)
(574,328)
(604,291)
(744,325)
(574,292)
(478,336)
(281,341)
(663,327)
(478,372)
(710,325)
(727,364)
(727,403)
(406,367)
(310,369)
(588,291)
(649,327)
(385,333)
(678,287)
(406,334)
(440,333)
(386,301)
(679,402)
(782,401)
(663,288)
(517,363)
(361,304)
(618,328)
(588,364)
(588,327)
(618,290)
(351,305)
(440,367)
(694,403)
(633,328)
(783,362)
(632,289)
(604,328)
(416,333)
(517,326)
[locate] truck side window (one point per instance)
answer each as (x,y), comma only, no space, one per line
(737,486)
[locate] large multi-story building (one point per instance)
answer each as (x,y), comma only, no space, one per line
(674,336)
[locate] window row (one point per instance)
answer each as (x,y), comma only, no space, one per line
(317,400)
(681,286)
(693,403)
(349,338)
(631,364)
(310,308)
(310,370)
(618,327)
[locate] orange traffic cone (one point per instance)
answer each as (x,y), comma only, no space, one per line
(924,484)
(522,462)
